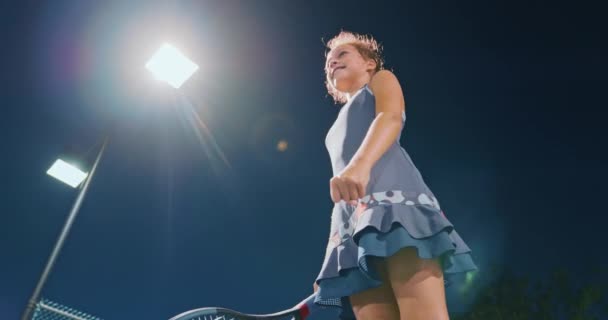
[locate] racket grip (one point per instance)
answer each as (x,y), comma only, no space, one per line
(307,306)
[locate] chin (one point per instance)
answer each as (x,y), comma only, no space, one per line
(342,85)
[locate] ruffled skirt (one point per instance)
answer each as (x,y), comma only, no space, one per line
(382,224)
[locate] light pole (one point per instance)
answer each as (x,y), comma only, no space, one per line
(64,172)
(168,65)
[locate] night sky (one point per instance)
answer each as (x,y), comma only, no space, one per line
(505,120)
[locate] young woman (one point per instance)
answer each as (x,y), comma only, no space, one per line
(390,244)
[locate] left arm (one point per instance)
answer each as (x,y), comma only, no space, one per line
(385,128)
(351,183)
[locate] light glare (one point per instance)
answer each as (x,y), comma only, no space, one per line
(66,173)
(171,66)
(282,145)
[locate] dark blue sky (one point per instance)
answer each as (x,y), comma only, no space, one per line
(506,117)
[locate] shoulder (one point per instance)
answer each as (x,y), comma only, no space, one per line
(384,79)
(383,75)
(386,89)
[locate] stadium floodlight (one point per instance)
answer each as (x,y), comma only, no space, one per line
(168,65)
(171,66)
(67,173)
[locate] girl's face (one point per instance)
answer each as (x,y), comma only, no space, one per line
(347,70)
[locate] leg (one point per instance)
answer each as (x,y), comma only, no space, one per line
(417,285)
(376,303)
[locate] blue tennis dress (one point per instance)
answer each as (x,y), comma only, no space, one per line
(398,211)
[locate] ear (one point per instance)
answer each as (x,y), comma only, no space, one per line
(370,65)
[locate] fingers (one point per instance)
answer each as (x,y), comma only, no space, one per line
(334,192)
(342,189)
(345,189)
(353,191)
(360,190)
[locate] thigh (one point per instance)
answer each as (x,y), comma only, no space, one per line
(417,285)
(377,303)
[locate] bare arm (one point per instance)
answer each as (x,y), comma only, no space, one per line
(351,183)
(385,128)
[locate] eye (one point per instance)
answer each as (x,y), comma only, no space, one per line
(342,53)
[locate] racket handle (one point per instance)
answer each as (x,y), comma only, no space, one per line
(307,306)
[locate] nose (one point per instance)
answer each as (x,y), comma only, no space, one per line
(331,64)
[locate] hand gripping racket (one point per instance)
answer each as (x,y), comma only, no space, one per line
(299,312)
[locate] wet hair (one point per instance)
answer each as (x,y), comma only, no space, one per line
(367,47)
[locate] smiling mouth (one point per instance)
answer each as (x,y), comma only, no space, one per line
(336,69)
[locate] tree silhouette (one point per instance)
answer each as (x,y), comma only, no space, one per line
(563,296)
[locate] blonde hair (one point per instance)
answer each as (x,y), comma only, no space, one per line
(367,47)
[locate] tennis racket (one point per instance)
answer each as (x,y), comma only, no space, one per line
(299,312)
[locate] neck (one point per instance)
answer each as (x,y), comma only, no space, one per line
(358,84)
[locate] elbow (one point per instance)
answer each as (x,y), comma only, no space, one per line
(390,119)
(390,116)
